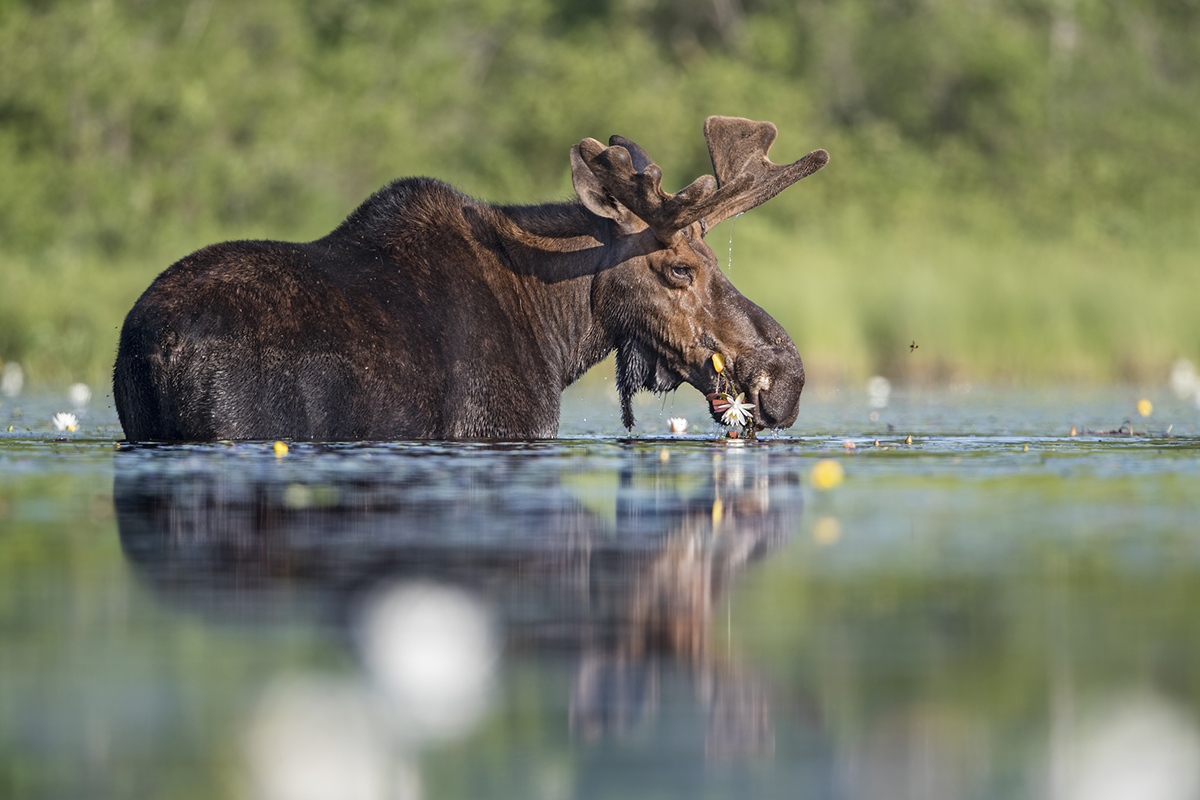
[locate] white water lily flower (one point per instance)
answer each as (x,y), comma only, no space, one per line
(677,425)
(738,412)
(64,422)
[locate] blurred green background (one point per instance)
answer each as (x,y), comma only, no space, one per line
(1012,185)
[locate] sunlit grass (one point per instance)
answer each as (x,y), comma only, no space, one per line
(997,310)
(60,318)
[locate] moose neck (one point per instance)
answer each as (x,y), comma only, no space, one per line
(554,253)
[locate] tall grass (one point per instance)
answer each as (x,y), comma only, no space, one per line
(1018,310)
(1011,310)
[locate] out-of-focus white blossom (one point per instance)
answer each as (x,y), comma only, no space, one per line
(80,394)
(432,650)
(1141,748)
(1185,382)
(64,421)
(12,378)
(879,389)
(320,738)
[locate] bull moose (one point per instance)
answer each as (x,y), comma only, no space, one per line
(428,314)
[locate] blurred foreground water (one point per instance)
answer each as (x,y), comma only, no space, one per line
(998,609)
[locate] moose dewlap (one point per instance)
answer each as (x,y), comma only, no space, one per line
(428,314)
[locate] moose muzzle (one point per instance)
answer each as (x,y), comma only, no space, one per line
(773,378)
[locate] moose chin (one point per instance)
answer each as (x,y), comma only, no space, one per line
(428,314)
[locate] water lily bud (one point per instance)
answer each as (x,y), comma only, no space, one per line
(718,363)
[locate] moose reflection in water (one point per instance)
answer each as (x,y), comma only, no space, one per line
(624,580)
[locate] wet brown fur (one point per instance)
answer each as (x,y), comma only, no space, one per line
(428,314)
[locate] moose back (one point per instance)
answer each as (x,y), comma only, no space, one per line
(428,314)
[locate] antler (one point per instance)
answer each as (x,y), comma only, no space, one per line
(628,174)
(745,176)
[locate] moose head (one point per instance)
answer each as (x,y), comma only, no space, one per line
(672,308)
(428,314)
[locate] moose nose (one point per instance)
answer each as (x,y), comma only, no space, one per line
(778,381)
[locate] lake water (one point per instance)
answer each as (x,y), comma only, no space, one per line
(997,609)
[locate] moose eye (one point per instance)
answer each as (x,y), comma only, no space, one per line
(681,274)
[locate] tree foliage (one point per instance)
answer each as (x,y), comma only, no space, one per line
(135,131)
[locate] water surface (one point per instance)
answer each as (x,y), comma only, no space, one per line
(996,609)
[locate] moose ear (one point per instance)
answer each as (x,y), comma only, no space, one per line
(594,196)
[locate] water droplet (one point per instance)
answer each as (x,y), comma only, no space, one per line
(732,225)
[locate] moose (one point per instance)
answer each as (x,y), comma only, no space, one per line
(428,314)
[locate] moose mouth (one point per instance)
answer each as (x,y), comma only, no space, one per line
(719,405)
(770,379)
(721,389)
(641,367)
